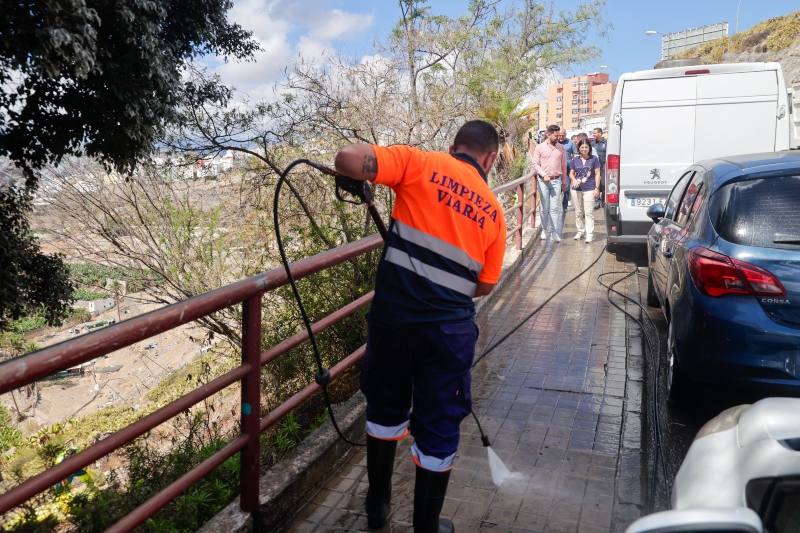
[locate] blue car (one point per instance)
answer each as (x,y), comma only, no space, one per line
(724,258)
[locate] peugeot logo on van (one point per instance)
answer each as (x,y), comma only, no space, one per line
(655,173)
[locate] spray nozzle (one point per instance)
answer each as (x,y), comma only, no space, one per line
(485,441)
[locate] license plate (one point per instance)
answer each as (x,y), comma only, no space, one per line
(646,202)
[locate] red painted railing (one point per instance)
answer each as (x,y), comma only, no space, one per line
(519,207)
(26,369)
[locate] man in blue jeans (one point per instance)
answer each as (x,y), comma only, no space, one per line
(550,164)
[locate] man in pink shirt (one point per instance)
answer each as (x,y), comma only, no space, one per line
(550,163)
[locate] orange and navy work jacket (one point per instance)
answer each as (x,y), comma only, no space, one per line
(447,233)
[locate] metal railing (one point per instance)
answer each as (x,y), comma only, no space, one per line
(519,206)
(27,369)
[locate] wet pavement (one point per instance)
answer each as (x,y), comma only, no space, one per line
(562,400)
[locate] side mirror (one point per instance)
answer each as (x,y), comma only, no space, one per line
(730,520)
(655,212)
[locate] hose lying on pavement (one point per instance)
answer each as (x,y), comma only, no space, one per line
(655,365)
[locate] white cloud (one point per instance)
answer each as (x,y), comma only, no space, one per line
(340,25)
(286,29)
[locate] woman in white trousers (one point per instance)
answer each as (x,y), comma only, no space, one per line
(584,188)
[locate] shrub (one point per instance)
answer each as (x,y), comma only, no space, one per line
(86,294)
(28,323)
(81,314)
(9,435)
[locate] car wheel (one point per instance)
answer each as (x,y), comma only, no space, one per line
(680,389)
(652,297)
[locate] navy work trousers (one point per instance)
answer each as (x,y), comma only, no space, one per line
(426,366)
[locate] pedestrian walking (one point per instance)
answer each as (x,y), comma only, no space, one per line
(550,164)
(599,145)
(571,151)
(445,245)
(585,179)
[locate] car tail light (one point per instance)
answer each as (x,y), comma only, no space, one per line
(612,179)
(716,275)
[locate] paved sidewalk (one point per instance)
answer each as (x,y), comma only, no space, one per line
(560,399)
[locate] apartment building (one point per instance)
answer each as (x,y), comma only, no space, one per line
(574,97)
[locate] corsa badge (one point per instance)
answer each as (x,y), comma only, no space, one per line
(775,301)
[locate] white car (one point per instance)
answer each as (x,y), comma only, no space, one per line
(746,457)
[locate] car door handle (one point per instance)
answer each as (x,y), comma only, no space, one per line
(668,254)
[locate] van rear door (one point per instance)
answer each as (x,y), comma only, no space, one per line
(656,144)
(736,113)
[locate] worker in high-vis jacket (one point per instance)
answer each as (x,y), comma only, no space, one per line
(444,247)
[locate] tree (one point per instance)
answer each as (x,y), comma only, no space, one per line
(99,78)
(94,78)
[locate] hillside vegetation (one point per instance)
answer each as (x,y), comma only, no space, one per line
(775,39)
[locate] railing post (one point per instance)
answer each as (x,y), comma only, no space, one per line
(520,209)
(535,193)
(251,403)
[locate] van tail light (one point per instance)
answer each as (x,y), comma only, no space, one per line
(716,275)
(612,179)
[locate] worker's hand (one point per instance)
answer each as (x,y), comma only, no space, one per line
(597,193)
(357,161)
(575,183)
(546,179)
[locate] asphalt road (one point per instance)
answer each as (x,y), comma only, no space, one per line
(678,426)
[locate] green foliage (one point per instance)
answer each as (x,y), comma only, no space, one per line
(14,344)
(86,294)
(107,76)
(149,470)
(10,436)
(31,279)
(80,314)
(28,323)
(518,166)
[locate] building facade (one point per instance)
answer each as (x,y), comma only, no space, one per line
(569,100)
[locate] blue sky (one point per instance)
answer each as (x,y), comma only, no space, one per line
(287,29)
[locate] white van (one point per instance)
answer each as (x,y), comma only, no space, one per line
(665,120)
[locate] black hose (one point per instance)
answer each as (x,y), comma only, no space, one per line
(656,366)
(519,325)
(322,376)
(484,437)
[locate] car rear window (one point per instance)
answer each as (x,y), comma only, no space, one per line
(762,212)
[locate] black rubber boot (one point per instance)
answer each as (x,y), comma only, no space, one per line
(429,492)
(380,464)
